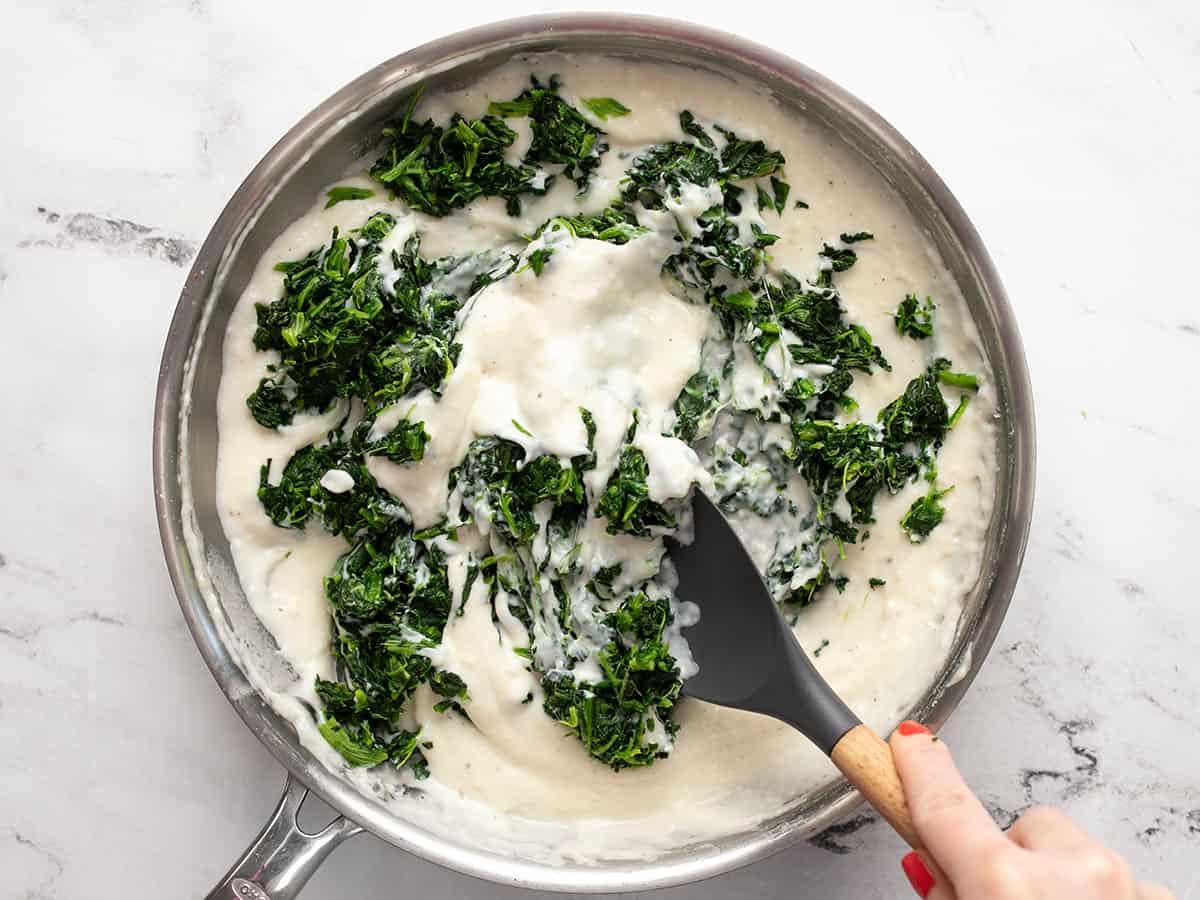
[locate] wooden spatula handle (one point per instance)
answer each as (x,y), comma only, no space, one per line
(866,761)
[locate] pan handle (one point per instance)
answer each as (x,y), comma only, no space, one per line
(282,858)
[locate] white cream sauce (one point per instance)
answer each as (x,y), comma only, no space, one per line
(601,329)
(597,329)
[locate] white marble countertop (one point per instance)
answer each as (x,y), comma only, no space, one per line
(1068,130)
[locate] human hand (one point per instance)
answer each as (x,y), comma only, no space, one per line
(1043,856)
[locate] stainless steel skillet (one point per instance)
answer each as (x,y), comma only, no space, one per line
(278,190)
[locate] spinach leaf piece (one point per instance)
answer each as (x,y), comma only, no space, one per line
(606,107)
(338,194)
(696,406)
(913,318)
(616,224)
(404,443)
(626,499)
(925,514)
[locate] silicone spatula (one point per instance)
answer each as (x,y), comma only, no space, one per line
(750,659)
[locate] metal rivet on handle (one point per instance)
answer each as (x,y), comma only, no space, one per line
(248,889)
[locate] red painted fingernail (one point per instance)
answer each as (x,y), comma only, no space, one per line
(918,876)
(908,728)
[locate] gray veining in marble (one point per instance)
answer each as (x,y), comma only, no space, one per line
(1069,131)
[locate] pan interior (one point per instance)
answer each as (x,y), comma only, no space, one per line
(240,650)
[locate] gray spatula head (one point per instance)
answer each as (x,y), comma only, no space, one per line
(748,656)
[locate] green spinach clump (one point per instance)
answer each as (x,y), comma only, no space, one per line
(440,168)
(623,717)
(301,493)
(798,329)
(344,330)
(358,329)
(619,718)
(561,134)
(341,332)
(626,499)
(914,318)
(390,599)
(437,169)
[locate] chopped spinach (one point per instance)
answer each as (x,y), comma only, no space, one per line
(913,318)
(341,330)
(270,404)
(840,258)
(561,134)
(747,159)
(963,401)
(438,169)
(925,514)
(692,128)
(357,329)
(331,309)
(626,499)
(336,195)
(855,237)
(962,380)
(777,198)
(390,599)
(606,107)
(616,718)
(495,478)
(616,225)
(663,169)
(538,258)
(300,493)
(404,443)
(696,406)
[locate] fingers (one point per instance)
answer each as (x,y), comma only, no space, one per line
(953,825)
(942,888)
(1044,854)
(927,880)
(942,891)
(1043,828)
